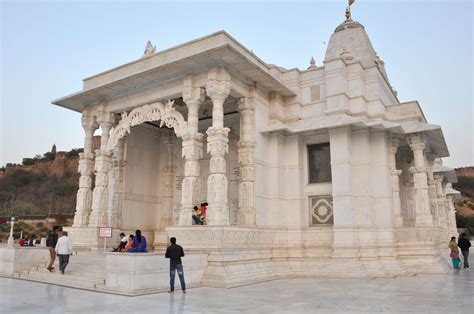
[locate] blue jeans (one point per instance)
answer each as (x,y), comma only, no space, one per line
(173,269)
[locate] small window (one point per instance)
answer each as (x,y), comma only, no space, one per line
(319,163)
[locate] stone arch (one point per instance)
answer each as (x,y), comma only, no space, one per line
(147,113)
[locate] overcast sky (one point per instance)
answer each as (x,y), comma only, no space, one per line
(48,47)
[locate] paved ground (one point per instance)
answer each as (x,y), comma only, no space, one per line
(453,293)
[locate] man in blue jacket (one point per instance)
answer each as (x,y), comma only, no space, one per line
(174,252)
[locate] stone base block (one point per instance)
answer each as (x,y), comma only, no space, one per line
(15,259)
(139,273)
(88,238)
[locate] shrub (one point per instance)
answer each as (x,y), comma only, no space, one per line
(28,161)
(465,222)
(21,178)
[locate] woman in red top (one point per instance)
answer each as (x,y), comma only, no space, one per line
(203,212)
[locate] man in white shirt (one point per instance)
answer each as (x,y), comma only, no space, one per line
(64,250)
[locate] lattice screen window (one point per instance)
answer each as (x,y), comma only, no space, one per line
(321,210)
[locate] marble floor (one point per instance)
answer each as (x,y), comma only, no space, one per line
(452,293)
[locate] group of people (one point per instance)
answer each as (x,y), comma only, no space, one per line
(464,244)
(24,241)
(199,215)
(59,245)
(132,243)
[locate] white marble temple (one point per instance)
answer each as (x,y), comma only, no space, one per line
(305,170)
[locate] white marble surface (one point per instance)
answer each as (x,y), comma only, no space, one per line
(419,294)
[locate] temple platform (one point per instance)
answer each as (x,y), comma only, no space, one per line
(227,257)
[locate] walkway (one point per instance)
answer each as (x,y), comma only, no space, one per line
(453,293)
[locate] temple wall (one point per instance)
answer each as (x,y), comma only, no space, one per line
(141,180)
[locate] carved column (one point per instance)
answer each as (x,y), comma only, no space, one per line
(246,215)
(168,174)
(422,200)
(217,88)
(395,177)
(441,200)
(451,216)
(118,165)
(103,163)
(86,167)
(192,153)
(432,190)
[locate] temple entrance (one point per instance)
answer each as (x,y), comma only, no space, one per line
(154,164)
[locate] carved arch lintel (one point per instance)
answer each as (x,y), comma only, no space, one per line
(166,113)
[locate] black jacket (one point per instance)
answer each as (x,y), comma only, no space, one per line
(464,244)
(52,239)
(174,252)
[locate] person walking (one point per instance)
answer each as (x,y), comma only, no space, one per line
(464,244)
(454,252)
(64,250)
(174,252)
(51,244)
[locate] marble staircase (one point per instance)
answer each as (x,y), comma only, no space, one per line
(86,270)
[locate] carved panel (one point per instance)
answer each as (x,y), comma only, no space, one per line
(146,113)
(321,210)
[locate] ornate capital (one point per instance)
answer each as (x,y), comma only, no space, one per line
(217,141)
(438,177)
(396,172)
(246,104)
(104,117)
(218,91)
(417,170)
(88,120)
(192,146)
(218,84)
(417,141)
(193,95)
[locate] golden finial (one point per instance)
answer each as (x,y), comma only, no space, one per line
(348,9)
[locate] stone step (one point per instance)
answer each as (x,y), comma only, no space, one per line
(63,280)
(70,276)
(86,266)
(83,272)
(79,273)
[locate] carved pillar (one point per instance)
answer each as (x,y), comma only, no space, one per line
(103,162)
(422,200)
(246,152)
(441,200)
(86,167)
(192,153)
(451,216)
(118,165)
(395,177)
(217,88)
(432,190)
(168,174)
